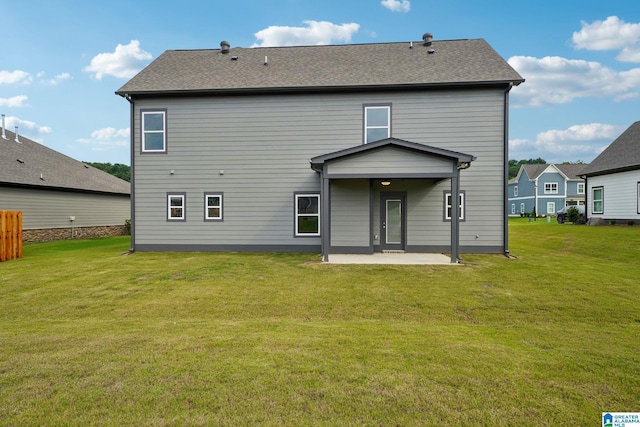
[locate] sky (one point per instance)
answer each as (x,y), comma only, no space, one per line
(61,61)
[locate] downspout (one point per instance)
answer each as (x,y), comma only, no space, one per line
(132,173)
(325,228)
(505,190)
(455,214)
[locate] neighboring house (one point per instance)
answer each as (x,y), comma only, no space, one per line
(547,188)
(613,179)
(330,149)
(59,197)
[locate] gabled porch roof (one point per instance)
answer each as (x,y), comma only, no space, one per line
(461,160)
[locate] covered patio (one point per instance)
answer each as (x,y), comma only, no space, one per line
(367,224)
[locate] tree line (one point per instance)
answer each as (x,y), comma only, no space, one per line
(117,169)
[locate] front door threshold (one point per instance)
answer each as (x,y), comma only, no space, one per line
(393,251)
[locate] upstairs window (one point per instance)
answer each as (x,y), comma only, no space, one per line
(154,131)
(551,188)
(377,122)
(515,191)
(581,188)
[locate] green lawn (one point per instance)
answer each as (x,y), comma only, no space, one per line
(89,336)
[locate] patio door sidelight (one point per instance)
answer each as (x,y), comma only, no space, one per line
(393,221)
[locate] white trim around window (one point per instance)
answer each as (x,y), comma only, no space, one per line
(448,208)
(515,191)
(597,200)
(580,189)
(176,206)
(213,206)
(550,188)
(377,122)
(153,131)
(307,214)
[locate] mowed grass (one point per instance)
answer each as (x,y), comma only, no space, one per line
(89,336)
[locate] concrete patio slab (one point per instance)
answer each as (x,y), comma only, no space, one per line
(391,258)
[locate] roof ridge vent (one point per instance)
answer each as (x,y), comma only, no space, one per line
(224,46)
(427,38)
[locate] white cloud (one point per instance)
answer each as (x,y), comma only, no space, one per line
(123,63)
(315,33)
(27,128)
(397,5)
(107,138)
(14,101)
(13,77)
(57,79)
(610,34)
(556,80)
(577,142)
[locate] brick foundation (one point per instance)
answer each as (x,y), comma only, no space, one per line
(49,234)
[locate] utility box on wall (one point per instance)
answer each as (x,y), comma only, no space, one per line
(10,235)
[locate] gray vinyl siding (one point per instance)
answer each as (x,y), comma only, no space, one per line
(350,218)
(256,149)
(393,160)
(52,209)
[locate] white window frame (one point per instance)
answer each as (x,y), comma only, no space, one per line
(144,132)
(297,215)
(551,208)
(550,188)
(366,124)
(515,191)
(183,206)
(522,208)
(594,200)
(448,208)
(513,208)
(580,188)
(212,218)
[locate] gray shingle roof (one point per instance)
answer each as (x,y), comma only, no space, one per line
(24,163)
(622,154)
(571,171)
(383,65)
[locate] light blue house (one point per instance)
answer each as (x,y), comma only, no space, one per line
(547,188)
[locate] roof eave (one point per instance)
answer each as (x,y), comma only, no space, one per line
(311,89)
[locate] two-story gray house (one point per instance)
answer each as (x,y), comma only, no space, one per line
(547,188)
(329,149)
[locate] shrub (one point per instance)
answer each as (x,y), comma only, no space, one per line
(127,226)
(573,214)
(631,222)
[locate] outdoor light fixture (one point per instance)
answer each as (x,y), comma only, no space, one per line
(385,182)
(463,165)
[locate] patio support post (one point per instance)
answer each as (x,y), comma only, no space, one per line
(325,230)
(455,214)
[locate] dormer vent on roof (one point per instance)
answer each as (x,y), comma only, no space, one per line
(427,38)
(224,46)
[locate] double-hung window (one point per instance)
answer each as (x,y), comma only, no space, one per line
(598,200)
(213,206)
(307,214)
(581,188)
(448,207)
(551,188)
(377,122)
(176,203)
(515,191)
(154,131)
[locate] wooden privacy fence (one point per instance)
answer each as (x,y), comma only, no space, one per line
(10,235)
